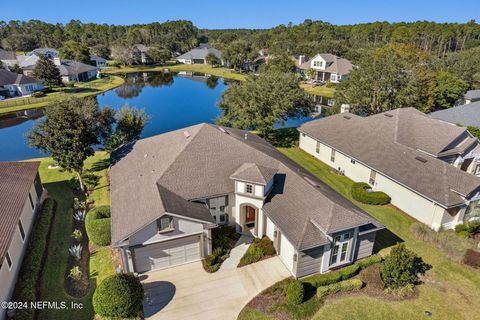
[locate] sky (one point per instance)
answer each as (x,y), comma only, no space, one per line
(243,14)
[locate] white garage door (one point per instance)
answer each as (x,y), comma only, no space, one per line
(167,254)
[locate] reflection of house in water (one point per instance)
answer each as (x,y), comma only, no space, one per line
(16,118)
(321,103)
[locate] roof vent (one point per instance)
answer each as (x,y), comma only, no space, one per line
(310,181)
(145,155)
(246,136)
(347,117)
(186,134)
(388,115)
(423,160)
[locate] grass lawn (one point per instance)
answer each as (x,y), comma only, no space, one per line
(52,284)
(202,68)
(81,89)
(449,291)
(318,90)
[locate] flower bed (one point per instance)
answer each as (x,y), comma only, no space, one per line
(360,192)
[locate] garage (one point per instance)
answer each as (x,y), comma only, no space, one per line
(167,254)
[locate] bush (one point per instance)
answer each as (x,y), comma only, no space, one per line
(213,261)
(366,262)
(266,246)
(360,193)
(469,228)
(38,94)
(119,296)
(30,273)
(259,249)
(295,292)
(350,271)
(401,267)
(343,286)
(98,225)
(69,84)
(472,258)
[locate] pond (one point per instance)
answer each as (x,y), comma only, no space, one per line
(172,101)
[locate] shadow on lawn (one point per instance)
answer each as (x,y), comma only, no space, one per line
(100,165)
(384,239)
(284,138)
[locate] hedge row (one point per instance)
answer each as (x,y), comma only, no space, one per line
(295,292)
(98,225)
(319,280)
(30,274)
(343,286)
(360,193)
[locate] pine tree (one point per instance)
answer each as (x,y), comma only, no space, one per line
(46,71)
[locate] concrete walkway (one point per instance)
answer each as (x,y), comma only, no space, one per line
(237,252)
(188,292)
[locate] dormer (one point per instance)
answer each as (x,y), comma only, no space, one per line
(253,180)
(318,63)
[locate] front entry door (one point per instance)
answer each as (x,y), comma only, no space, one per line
(250,217)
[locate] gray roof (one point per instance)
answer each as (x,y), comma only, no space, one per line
(472,94)
(69,67)
(465,115)
(7,77)
(50,52)
(7,55)
(391,143)
(27,62)
(97,58)
(335,64)
(201,52)
(16,179)
(251,172)
(196,163)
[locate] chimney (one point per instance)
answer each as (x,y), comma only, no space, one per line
(57,61)
(301,59)
(344,108)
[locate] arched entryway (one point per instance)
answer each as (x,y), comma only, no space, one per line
(249,219)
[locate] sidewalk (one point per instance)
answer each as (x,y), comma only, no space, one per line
(237,252)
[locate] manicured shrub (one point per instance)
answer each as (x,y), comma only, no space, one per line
(350,271)
(319,280)
(30,273)
(343,286)
(213,261)
(266,245)
(259,249)
(119,296)
(295,292)
(98,225)
(366,262)
(401,267)
(38,94)
(69,84)
(472,258)
(360,193)
(473,227)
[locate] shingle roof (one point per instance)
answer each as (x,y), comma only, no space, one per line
(335,64)
(472,94)
(389,143)
(201,52)
(69,67)
(7,77)
(7,55)
(16,179)
(197,163)
(44,51)
(251,172)
(465,115)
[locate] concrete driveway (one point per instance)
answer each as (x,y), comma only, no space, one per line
(188,292)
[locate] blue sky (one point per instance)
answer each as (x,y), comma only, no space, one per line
(243,14)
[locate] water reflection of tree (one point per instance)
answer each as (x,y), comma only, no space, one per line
(159,79)
(129,90)
(212,82)
(135,82)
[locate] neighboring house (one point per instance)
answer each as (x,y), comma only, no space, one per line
(28,63)
(143,53)
(71,70)
(199,54)
(97,61)
(8,58)
(425,165)
(471,96)
(169,191)
(328,67)
(18,84)
(20,193)
(47,52)
(465,115)
(253,66)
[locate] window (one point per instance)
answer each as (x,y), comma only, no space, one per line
(164,224)
(477,170)
(341,243)
(373,175)
(317,147)
(218,209)
(318,64)
(333,77)
(332,156)
(331,102)
(9,261)
(249,188)
(20,228)
(344,251)
(31,200)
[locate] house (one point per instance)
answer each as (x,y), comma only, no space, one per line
(71,70)
(254,65)
(8,58)
(97,61)
(27,64)
(471,96)
(20,193)
(465,115)
(169,191)
(142,51)
(47,52)
(15,84)
(328,67)
(428,167)
(199,54)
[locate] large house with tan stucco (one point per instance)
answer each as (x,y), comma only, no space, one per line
(429,168)
(20,193)
(169,191)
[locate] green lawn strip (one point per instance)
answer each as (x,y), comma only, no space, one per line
(318,90)
(446,281)
(249,313)
(90,88)
(52,284)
